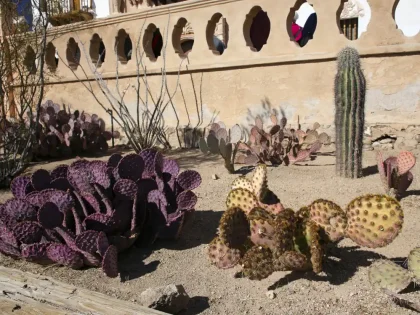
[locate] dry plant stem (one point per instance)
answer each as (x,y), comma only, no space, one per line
(147,127)
(25,88)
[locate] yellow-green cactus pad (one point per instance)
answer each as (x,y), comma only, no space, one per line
(374,220)
(241,198)
(259,181)
(242,182)
(330,217)
(313,240)
(285,225)
(234,228)
(385,274)
(414,263)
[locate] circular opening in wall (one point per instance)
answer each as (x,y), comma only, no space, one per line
(97,50)
(353,17)
(256,28)
(73,54)
(183,38)
(51,57)
(301,23)
(123,46)
(406,14)
(152,42)
(217,34)
(30,60)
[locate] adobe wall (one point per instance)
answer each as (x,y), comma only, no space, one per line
(298,80)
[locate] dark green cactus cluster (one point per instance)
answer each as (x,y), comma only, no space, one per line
(395,172)
(259,234)
(349,92)
(391,278)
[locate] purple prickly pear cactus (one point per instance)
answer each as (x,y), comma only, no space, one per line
(85,213)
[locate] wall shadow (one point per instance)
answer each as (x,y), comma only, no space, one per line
(197,305)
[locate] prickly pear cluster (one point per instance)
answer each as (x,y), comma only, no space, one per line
(227,143)
(276,146)
(395,172)
(65,133)
(264,237)
(85,213)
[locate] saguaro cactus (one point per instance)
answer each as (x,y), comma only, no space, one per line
(349,92)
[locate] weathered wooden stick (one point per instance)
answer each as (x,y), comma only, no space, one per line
(38,290)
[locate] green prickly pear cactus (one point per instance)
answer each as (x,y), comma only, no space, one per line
(349,92)
(264,238)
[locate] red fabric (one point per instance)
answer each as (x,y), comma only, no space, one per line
(296,31)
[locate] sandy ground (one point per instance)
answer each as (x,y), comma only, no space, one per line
(343,289)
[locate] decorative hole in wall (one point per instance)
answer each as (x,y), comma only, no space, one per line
(123,46)
(217,34)
(51,57)
(256,28)
(152,42)
(73,54)
(30,60)
(353,17)
(183,38)
(97,50)
(406,14)
(301,23)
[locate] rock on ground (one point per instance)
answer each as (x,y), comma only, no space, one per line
(170,299)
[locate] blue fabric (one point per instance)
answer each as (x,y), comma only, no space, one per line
(24,8)
(220,47)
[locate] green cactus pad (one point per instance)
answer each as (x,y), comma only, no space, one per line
(330,217)
(374,220)
(222,256)
(257,263)
(414,263)
(234,228)
(242,182)
(241,198)
(259,181)
(385,274)
(262,228)
(285,224)
(290,261)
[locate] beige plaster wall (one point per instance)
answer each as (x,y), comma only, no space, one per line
(299,80)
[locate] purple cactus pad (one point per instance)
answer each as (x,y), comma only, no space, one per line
(99,222)
(110,262)
(102,243)
(19,210)
(100,174)
(61,183)
(173,228)
(171,167)
(114,159)
(92,201)
(18,186)
(7,236)
(29,188)
(125,189)
(91,260)
(189,180)
(186,200)
(68,236)
(145,186)
(158,164)
(49,216)
(81,180)
(86,241)
(63,200)
(28,232)
(41,180)
(148,156)
(158,198)
(131,167)
(9,250)
(64,255)
(122,243)
(36,253)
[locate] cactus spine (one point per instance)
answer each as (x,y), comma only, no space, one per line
(349,92)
